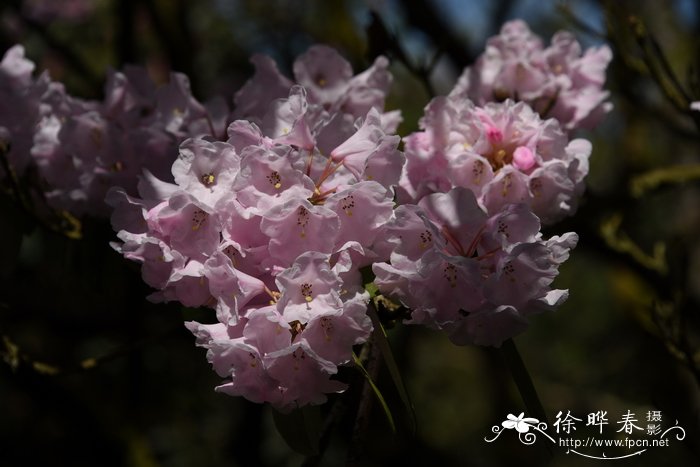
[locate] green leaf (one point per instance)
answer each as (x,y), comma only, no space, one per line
(381,340)
(377,393)
(300,428)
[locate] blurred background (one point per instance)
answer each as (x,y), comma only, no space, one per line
(93,374)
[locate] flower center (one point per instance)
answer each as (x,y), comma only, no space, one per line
(275,179)
(347,203)
(450,274)
(298,355)
(199,217)
(302,220)
(208,179)
(327,325)
(307,292)
(507,182)
(426,237)
(503,228)
(509,271)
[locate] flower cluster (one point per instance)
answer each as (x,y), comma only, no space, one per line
(559,81)
(268,214)
(467,255)
(22,99)
(83,148)
(503,152)
(270,228)
(476,276)
(331,88)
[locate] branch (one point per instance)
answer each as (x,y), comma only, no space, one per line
(675,174)
(522,380)
(15,358)
(356,452)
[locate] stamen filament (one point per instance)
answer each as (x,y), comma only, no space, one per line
(452,240)
(472,246)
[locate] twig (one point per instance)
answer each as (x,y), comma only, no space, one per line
(356,451)
(16,358)
(522,380)
(336,412)
(676,174)
(578,23)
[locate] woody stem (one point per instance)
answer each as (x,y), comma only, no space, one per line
(522,380)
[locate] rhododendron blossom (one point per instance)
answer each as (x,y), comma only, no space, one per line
(83,148)
(504,152)
(477,276)
(270,229)
(138,126)
(285,352)
(558,81)
(28,105)
(329,83)
(273,220)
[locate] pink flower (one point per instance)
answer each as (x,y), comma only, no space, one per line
(25,105)
(254,98)
(286,353)
(206,169)
(503,152)
(83,149)
(271,227)
(478,277)
(328,81)
(559,81)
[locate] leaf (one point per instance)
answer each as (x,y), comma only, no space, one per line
(381,340)
(377,393)
(300,428)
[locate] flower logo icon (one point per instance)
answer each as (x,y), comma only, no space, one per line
(520,423)
(523,426)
